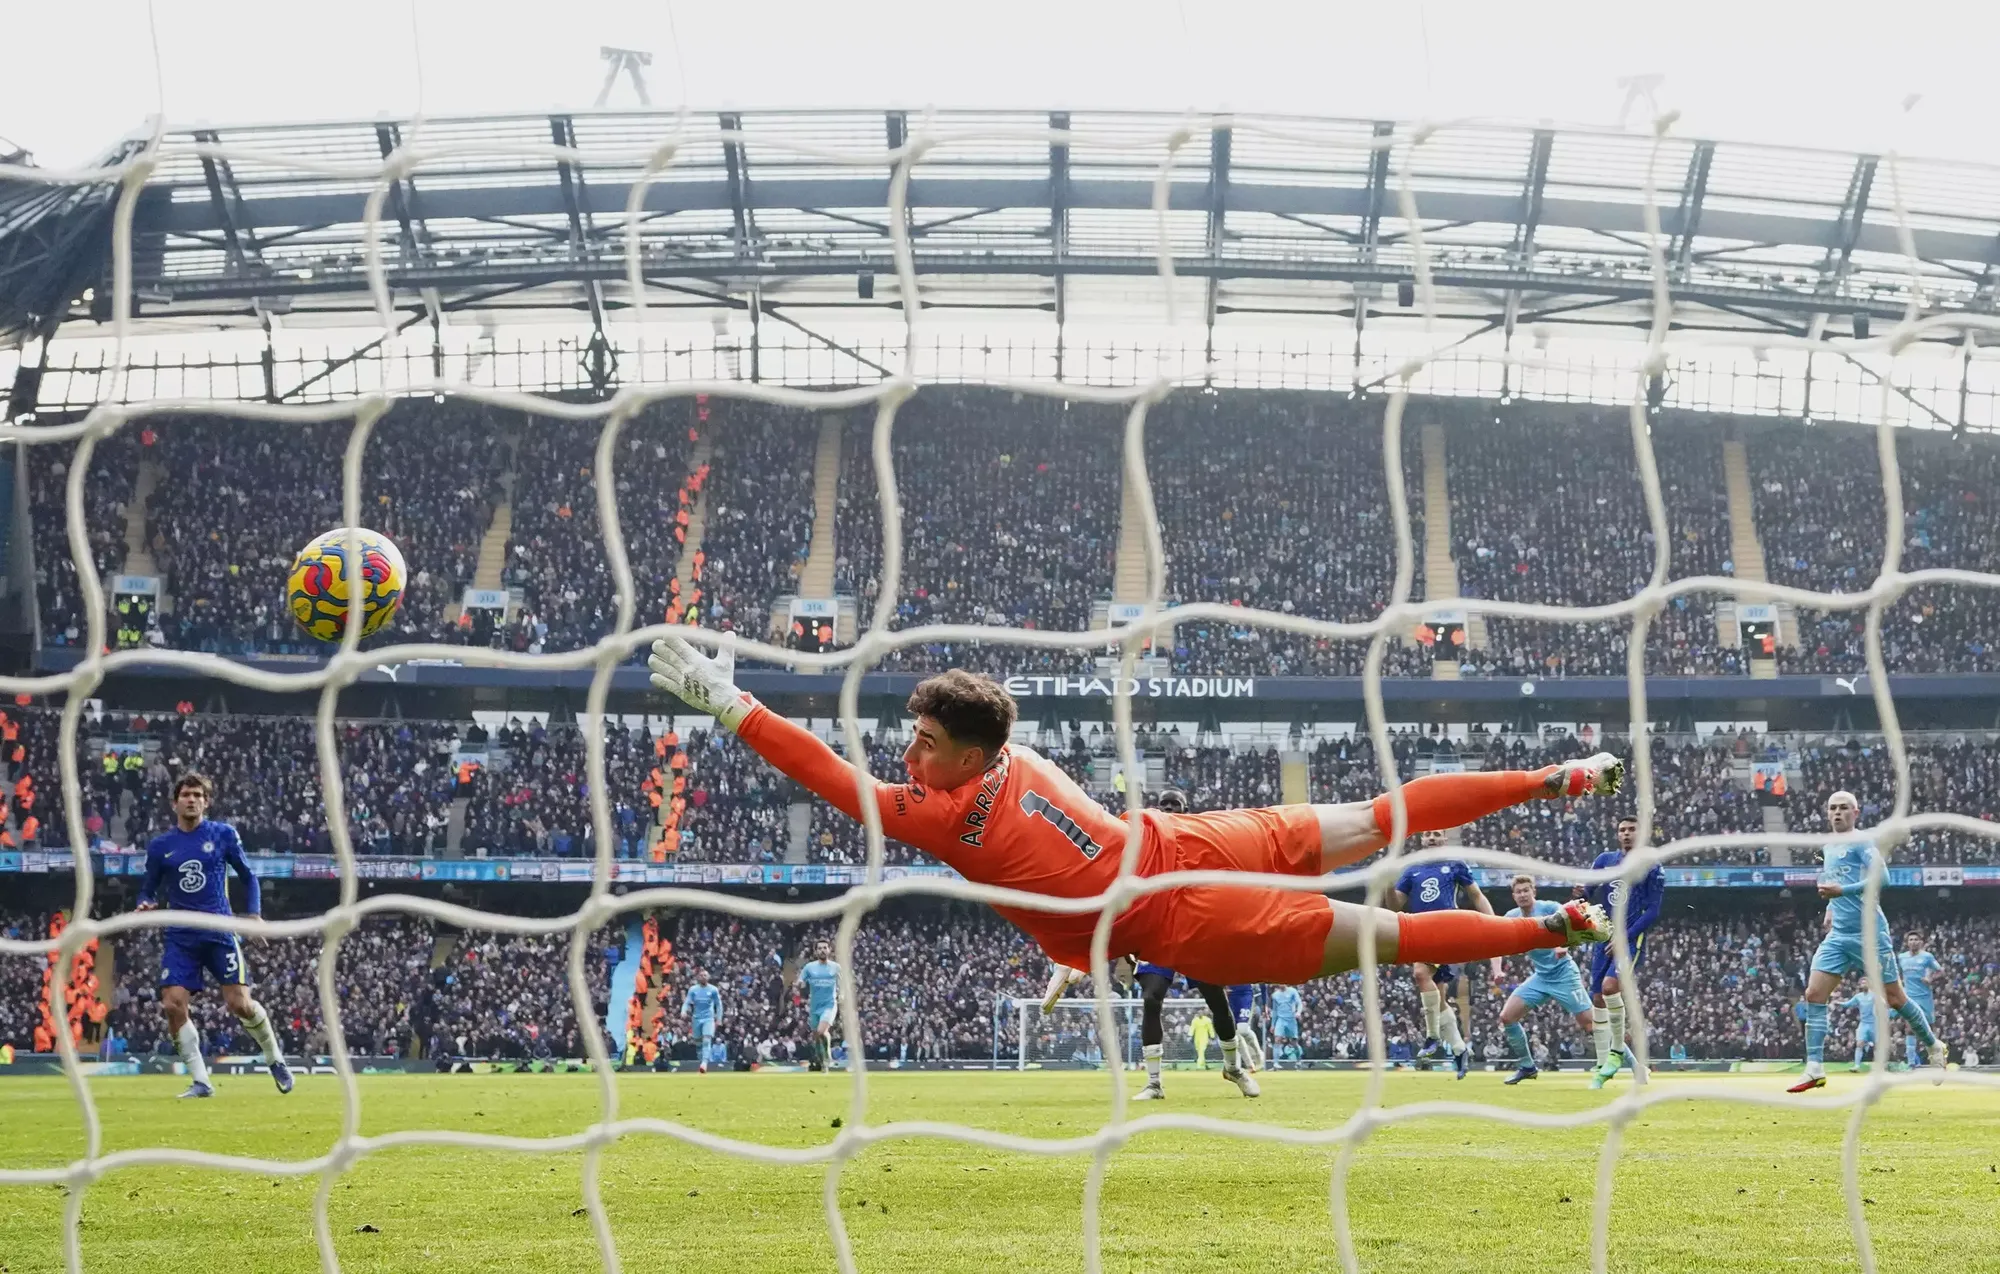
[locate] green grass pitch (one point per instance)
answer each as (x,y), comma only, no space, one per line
(1700,1185)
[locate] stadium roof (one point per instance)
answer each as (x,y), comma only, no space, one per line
(509,216)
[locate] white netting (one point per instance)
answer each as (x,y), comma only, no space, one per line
(925,140)
(1063,1034)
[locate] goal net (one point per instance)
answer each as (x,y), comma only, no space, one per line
(927,142)
(1068,1034)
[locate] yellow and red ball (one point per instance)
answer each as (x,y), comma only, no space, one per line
(321,583)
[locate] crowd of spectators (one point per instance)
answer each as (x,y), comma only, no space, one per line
(745,960)
(940,980)
(533,796)
(508,995)
(1281,503)
(1959,776)
(106,489)
(927,976)
(236,500)
(1010,518)
(760,514)
(21,978)
(396,776)
(556,554)
(1216,778)
(380,977)
(1011,513)
(1549,508)
(1819,509)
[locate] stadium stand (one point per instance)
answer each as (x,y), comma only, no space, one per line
(930,976)
(1547,507)
(556,554)
(1010,516)
(507,995)
(382,972)
(1012,509)
(1281,503)
(106,490)
(760,514)
(1819,508)
(530,800)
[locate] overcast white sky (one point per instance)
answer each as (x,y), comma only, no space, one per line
(81,73)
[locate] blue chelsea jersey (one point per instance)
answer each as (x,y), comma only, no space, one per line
(188,870)
(1433,886)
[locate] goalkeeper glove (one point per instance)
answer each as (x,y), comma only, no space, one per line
(681,670)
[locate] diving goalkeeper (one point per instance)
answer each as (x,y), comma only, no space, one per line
(1000,814)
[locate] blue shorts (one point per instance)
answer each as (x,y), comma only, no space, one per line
(1840,954)
(1160,969)
(187,952)
(1285,1028)
(1444,973)
(1242,1000)
(1544,988)
(824,1018)
(1924,1002)
(1604,962)
(704,1028)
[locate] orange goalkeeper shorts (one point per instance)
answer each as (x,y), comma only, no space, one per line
(1230,935)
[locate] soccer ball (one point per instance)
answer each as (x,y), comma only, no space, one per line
(318,589)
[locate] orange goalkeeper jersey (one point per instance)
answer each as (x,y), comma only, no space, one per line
(1024,825)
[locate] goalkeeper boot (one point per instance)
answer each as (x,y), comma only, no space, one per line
(1599,775)
(281,1075)
(199,1089)
(1061,979)
(1525,1072)
(1245,1084)
(1151,1092)
(1579,922)
(1815,1078)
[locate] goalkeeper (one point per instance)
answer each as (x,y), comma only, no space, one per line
(1000,814)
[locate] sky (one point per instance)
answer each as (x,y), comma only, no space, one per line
(1807,74)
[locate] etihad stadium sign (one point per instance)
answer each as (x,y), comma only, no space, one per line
(1044,687)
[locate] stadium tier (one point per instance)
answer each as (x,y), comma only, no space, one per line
(520,787)
(1012,515)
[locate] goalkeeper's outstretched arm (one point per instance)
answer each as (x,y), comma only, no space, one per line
(681,670)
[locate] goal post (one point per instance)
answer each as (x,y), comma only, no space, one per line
(1067,1035)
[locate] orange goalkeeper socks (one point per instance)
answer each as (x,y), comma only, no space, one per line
(1438,802)
(1452,937)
